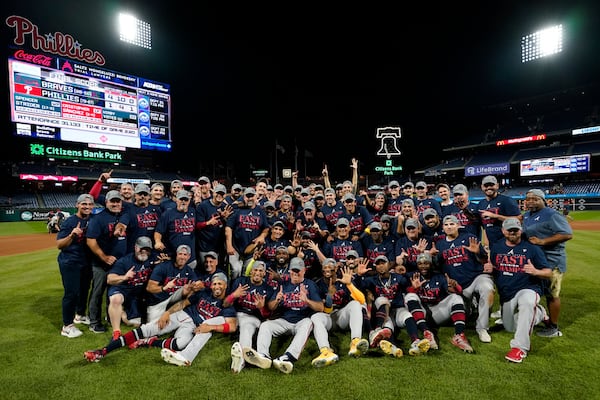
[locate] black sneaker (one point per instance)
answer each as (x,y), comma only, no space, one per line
(97,328)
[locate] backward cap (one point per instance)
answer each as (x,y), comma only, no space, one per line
(537,192)
(219,276)
(86,197)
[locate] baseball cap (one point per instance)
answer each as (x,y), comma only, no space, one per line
(279,223)
(342,221)
(309,205)
(511,223)
(144,242)
(339,186)
(408,184)
(386,217)
(381,258)
(249,190)
(113,194)
(204,179)
(411,223)
(259,265)
(176,182)
(286,197)
(288,189)
(184,248)
(297,264)
(298,188)
(282,248)
(305,234)
(459,189)
(236,186)
(348,196)
(278,186)
(305,191)
(269,188)
(489,179)
(329,190)
(439,185)
(421,184)
(375,226)
(428,212)
(352,253)
(319,196)
(424,257)
(394,184)
(157,184)
(537,192)
(329,261)
(86,197)
(220,189)
(451,218)
(212,254)
(380,194)
(219,276)
(141,188)
(409,202)
(269,204)
(318,186)
(183,194)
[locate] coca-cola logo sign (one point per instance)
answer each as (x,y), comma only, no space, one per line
(56,43)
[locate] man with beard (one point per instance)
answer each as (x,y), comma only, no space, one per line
(127,281)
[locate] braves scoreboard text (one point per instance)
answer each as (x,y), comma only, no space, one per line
(57,98)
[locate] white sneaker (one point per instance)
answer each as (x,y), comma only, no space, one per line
(253,357)
(81,319)
(496,314)
(174,357)
(70,331)
(237,361)
(484,336)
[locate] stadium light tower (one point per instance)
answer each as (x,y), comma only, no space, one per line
(135,31)
(542,43)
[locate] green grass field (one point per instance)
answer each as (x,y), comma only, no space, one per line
(38,363)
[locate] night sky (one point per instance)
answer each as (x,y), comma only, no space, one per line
(323,79)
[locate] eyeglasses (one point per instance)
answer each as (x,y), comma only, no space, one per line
(489,185)
(342,226)
(142,194)
(249,195)
(349,201)
(184,199)
(420,187)
(410,228)
(514,230)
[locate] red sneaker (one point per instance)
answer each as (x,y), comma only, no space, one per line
(515,355)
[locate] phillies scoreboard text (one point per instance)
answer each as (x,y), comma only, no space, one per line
(56,98)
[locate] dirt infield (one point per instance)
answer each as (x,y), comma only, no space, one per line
(10,245)
(18,244)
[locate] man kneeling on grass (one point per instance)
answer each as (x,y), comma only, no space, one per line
(193,320)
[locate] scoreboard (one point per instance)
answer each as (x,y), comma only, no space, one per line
(556,165)
(59,99)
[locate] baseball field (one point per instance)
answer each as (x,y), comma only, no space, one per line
(38,363)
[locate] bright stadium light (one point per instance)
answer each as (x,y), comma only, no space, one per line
(541,43)
(135,31)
